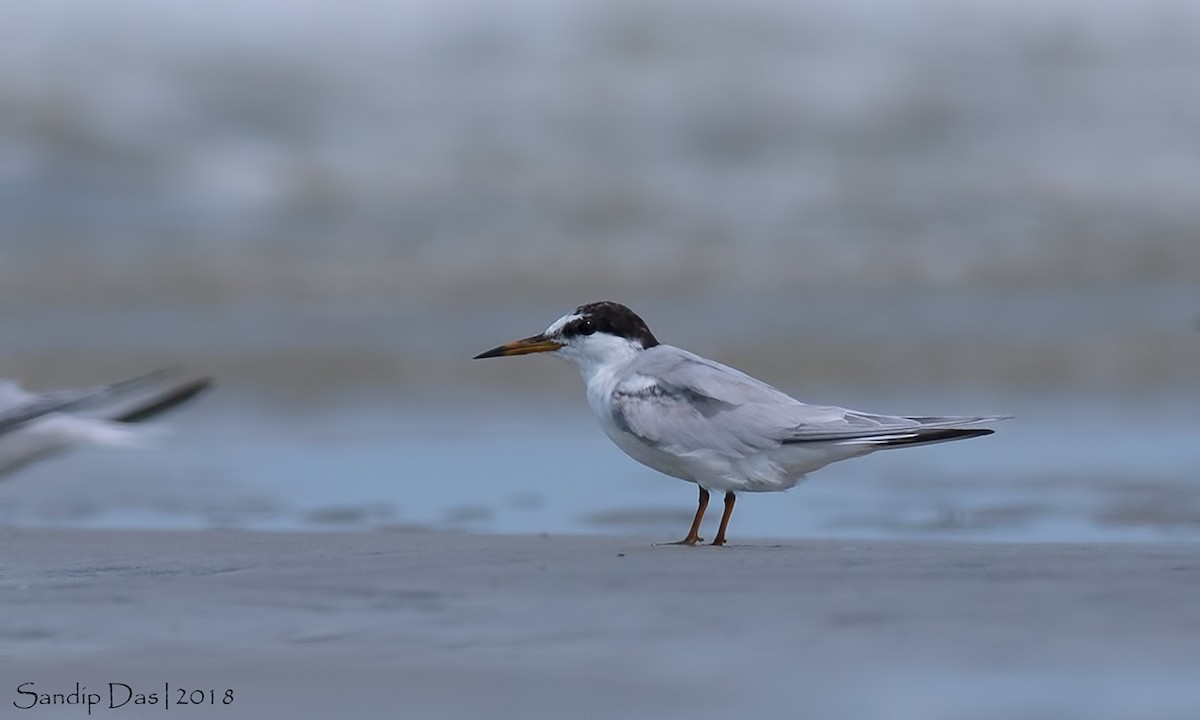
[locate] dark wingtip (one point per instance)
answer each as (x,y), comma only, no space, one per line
(936,436)
(166,401)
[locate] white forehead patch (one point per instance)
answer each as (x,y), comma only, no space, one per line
(557,326)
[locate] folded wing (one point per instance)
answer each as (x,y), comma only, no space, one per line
(681,402)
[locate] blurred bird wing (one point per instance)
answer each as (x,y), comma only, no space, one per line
(12,395)
(18,407)
(38,406)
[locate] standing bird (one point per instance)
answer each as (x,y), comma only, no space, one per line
(698,420)
(35,426)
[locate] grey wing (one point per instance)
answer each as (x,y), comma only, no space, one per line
(20,407)
(683,402)
(12,396)
(36,406)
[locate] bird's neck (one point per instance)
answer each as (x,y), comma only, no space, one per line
(602,373)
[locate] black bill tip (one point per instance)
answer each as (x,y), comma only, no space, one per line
(494,352)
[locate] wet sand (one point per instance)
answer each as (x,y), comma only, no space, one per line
(408,625)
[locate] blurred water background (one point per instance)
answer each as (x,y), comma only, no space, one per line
(921,206)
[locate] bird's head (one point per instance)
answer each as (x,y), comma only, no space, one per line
(594,334)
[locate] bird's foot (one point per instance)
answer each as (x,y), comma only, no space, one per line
(689,540)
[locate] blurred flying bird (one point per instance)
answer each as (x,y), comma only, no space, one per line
(38,425)
(698,420)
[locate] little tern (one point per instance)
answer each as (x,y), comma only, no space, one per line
(698,420)
(35,426)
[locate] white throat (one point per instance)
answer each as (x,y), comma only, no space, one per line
(599,356)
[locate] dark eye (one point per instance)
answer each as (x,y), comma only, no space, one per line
(586,327)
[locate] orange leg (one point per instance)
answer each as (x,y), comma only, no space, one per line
(693,535)
(730,499)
